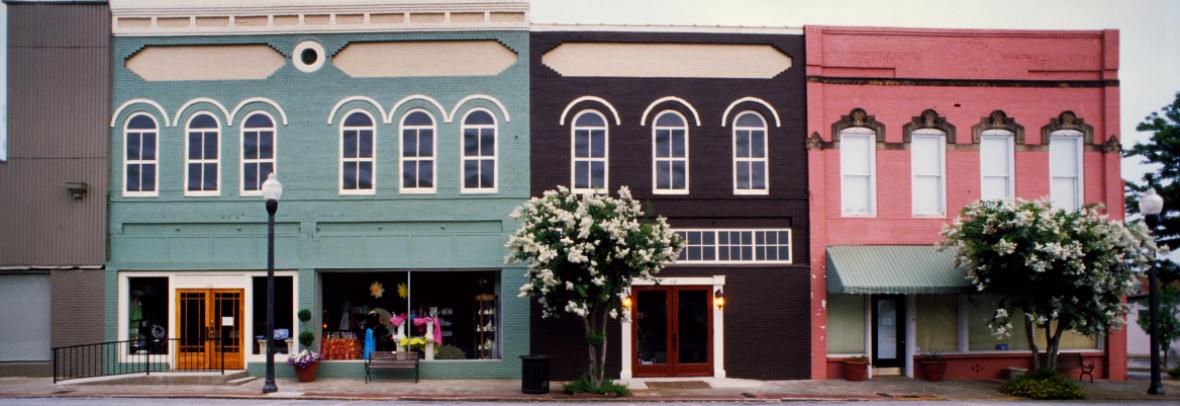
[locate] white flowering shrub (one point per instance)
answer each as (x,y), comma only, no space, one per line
(1064,270)
(583,251)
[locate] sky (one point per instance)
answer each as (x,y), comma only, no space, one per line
(1149,31)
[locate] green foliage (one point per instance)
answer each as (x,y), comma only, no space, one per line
(306,338)
(585,384)
(1045,384)
(1174,372)
(1169,324)
(304,315)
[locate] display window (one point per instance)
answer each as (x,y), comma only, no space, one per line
(452,315)
(285,333)
(147,314)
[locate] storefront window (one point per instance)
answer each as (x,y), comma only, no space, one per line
(938,323)
(846,324)
(147,315)
(980,309)
(463,304)
(285,334)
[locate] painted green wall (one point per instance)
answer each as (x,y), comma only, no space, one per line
(317,227)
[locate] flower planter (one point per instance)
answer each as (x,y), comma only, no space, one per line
(855,370)
(307,374)
(933,370)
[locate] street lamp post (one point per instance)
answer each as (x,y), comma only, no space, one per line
(1151,204)
(272,191)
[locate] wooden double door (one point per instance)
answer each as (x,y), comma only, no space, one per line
(209,330)
(672,331)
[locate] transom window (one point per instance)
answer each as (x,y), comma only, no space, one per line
(996,165)
(417,159)
(590,141)
(258,152)
(202,169)
(858,171)
(749,154)
(670,154)
(727,246)
(357,146)
(479,152)
(927,165)
(139,159)
(1065,167)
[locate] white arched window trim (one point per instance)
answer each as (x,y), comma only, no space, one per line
(340,153)
(155,162)
(605,159)
(188,160)
(990,169)
(495,127)
(274,145)
(433,127)
(1066,165)
(655,161)
(764,160)
(866,138)
(927,176)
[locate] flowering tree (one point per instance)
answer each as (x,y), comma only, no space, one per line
(583,251)
(1065,270)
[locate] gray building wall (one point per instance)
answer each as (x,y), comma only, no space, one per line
(59,111)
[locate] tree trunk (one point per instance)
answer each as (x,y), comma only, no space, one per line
(602,349)
(595,326)
(1030,332)
(593,364)
(1054,344)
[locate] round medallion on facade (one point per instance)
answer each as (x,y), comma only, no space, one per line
(308,56)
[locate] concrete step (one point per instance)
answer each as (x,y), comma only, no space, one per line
(241,381)
(174,378)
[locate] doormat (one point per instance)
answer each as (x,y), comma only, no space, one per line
(678,385)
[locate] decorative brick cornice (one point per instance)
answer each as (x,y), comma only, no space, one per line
(1112,145)
(1067,120)
(929,119)
(997,120)
(858,118)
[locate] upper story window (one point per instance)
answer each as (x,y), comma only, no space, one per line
(203,156)
(928,168)
(258,152)
(1065,169)
(479,152)
(858,171)
(749,155)
(728,246)
(417,157)
(139,159)
(670,154)
(357,147)
(590,163)
(996,167)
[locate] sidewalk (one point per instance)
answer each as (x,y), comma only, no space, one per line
(889,388)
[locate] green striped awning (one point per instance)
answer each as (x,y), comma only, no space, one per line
(894,269)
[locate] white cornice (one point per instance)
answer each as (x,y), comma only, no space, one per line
(708,29)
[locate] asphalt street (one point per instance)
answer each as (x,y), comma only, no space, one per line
(284,402)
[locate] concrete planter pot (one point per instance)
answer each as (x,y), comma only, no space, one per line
(856,370)
(307,374)
(933,370)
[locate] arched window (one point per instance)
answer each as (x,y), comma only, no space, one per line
(417,158)
(203,156)
(927,172)
(139,156)
(749,155)
(258,152)
(996,180)
(670,154)
(1065,169)
(858,171)
(357,150)
(479,152)
(590,144)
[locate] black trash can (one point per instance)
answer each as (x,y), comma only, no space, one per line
(534,375)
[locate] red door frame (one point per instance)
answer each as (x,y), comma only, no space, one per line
(673,367)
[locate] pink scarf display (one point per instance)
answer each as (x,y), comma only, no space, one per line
(421,322)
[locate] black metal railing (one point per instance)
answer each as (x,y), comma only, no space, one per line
(141,356)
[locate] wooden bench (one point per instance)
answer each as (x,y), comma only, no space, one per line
(1070,360)
(391,360)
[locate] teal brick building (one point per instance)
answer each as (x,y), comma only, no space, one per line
(401,135)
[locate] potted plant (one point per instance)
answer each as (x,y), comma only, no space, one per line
(933,366)
(307,361)
(856,368)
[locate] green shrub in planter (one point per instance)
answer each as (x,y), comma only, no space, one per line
(306,338)
(585,385)
(1045,384)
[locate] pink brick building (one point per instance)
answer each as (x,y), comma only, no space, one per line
(907,126)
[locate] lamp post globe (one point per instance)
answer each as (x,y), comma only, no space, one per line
(1151,204)
(272,191)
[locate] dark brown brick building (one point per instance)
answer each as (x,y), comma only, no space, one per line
(707,126)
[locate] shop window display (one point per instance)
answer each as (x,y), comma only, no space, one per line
(380,311)
(285,333)
(147,313)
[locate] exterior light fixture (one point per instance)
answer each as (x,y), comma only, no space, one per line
(719,298)
(627,302)
(272,191)
(1151,204)
(77,189)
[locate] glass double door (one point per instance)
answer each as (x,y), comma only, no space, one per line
(672,331)
(209,329)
